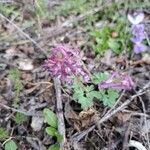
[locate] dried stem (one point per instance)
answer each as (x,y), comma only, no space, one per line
(145,122)
(22,111)
(60,115)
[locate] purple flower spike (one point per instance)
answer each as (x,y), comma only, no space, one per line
(139,47)
(138,31)
(117,81)
(64,62)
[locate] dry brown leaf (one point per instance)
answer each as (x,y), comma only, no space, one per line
(87,117)
(83,120)
(123,117)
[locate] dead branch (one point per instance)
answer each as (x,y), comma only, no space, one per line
(22,111)
(60,115)
(145,122)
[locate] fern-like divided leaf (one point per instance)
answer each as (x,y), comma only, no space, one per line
(80,94)
(109,97)
(85,95)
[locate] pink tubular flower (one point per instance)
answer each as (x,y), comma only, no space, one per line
(117,81)
(64,62)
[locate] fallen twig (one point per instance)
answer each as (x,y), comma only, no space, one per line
(60,115)
(145,122)
(137,145)
(21,111)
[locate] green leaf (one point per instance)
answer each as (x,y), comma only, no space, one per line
(50,117)
(3,133)
(85,102)
(41,8)
(114,45)
(54,133)
(107,101)
(109,98)
(51,131)
(78,91)
(54,147)
(10,145)
(89,88)
(20,118)
(99,77)
(14,75)
(94,94)
(113,94)
(59,137)
(77,94)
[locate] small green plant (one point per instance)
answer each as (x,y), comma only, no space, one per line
(66,8)
(9,144)
(54,147)
(85,95)
(113,38)
(20,118)
(8,9)
(15,75)
(3,133)
(41,8)
(76,6)
(51,120)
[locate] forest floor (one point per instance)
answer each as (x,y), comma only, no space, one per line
(100,29)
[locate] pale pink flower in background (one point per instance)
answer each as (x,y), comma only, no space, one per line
(117,81)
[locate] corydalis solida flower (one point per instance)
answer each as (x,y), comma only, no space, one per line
(64,62)
(117,81)
(138,31)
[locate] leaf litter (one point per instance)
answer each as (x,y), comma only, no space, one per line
(38,90)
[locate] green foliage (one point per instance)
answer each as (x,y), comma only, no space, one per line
(109,97)
(41,8)
(54,147)
(80,94)
(98,77)
(75,6)
(113,38)
(15,75)
(20,118)
(8,10)
(3,134)
(10,145)
(54,133)
(66,8)
(50,117)
(85,95)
